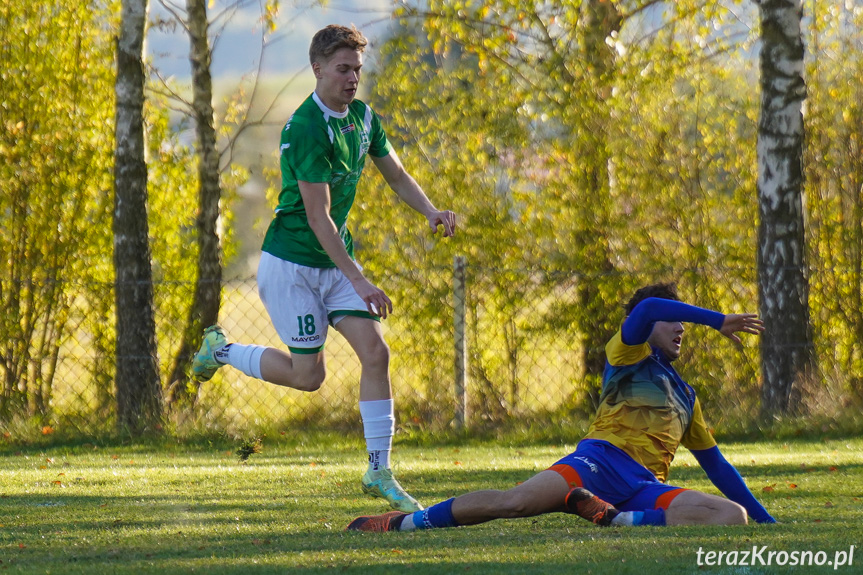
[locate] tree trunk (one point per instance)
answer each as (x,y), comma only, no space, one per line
(139,393)
(787,353)
(208,288)
(599,19)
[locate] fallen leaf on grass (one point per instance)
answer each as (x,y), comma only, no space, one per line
(768,488)
(47,430)
(260,542)
(828,504)
(792,485)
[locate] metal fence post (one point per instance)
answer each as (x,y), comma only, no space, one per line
(460,332)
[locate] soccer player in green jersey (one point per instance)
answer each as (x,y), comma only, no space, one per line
(308,278)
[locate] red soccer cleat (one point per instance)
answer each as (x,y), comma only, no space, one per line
(377,523)
(587,505)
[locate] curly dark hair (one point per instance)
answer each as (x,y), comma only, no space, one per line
(334,37)
(661,290)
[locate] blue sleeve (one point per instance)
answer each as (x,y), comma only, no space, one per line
(726,478)
(639,323)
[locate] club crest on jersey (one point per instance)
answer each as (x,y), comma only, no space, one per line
(349,128)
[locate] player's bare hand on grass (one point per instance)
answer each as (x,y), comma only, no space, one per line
(741,323)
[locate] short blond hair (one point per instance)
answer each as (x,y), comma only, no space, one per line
(335,37)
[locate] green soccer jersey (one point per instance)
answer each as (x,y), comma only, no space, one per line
(319,145)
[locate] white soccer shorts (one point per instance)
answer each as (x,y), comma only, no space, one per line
(303,301)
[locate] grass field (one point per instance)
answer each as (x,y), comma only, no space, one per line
(192,507)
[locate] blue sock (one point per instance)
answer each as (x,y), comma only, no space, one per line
(438,515)
(649,517)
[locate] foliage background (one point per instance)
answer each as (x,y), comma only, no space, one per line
(580,169)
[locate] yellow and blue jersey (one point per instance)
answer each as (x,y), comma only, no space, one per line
(646,409)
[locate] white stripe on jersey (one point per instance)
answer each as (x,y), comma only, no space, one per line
(368,119)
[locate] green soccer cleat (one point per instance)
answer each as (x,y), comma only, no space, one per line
(204,364)
(381,483)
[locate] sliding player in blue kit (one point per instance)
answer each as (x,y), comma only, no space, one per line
(617,474)
(308,278)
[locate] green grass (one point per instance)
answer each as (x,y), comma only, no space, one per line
(192,507)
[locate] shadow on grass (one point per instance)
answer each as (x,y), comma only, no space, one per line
(293,523)
(550,544)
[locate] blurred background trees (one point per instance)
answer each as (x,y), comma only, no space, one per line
(56,148)
(588,146)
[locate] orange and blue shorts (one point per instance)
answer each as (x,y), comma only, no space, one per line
(615,477)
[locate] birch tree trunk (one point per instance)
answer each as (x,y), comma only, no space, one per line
(787,353)
(598,20)
(139,392)
(205,307)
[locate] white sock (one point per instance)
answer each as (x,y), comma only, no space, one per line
(624,519)
(379,424)
(408,523)
(246,358)
(379,459)
(221,354)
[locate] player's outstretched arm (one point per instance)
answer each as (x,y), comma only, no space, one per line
(735,323)
(727,479)
(412,194)
(639,323)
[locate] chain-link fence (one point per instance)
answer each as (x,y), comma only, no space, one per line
(471,347)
